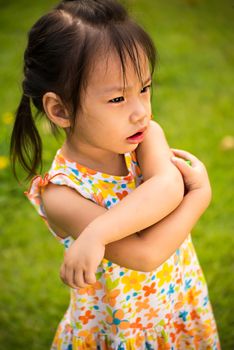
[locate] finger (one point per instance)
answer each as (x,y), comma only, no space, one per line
(186,155)
(62,273)
(90,277)
(79,280)
(182,165)
(69,277)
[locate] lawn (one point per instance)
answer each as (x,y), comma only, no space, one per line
(192,100)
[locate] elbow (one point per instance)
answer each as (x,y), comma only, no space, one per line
(175,189)
(149,264)
(150,260)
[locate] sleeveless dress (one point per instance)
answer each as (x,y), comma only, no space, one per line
(167,308)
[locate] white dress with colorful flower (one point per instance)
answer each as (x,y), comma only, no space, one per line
(125,309)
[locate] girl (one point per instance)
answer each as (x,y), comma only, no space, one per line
(136,282)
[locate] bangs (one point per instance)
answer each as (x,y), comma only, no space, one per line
(129,42)
(94,40)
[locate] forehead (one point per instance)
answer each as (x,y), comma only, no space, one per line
(107,71)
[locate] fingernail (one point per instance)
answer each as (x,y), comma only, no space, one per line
(174,159)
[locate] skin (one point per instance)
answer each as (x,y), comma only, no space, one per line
(114,115)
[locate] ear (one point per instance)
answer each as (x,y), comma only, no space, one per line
(56,110)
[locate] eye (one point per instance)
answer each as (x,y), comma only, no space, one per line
(117,99)
(146,88)
(121,98)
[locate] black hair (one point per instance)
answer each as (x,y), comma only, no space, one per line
(61,50)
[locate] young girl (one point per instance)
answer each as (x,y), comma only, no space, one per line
(113,196)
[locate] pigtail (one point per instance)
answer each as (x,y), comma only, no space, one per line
(62,48)
(25,145)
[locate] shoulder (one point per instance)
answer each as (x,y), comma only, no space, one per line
(154,139)
(57,199)
(155,129)
(67,211)
(153,153)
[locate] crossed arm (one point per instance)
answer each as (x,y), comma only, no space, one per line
(161,192)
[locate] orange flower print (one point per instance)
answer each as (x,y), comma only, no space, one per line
(91,171)
(153,313)
(163,344)
(173,337)
(192,296)
(98,198)
(121,195)
(169,317)
(85,319)
(180,327)
(197,340)
(149,290)
(110,297)
(141,305)
(194,315)
(85,333)
(165,274)
(60,160)
(116,321)
(180,302)
(140,340)
(136,325)
(133,281)
(90,290)
(207,331)
(88,338)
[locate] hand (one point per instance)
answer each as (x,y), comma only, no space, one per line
(81,261)
(195,175)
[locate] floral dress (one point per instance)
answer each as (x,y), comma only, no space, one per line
(167,308)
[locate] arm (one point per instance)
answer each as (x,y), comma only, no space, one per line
(161,192)
(85,254)
(171,231)
(139,251)
(154,245)
(148,249)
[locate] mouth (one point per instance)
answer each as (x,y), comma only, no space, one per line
(138,133)
(138,136)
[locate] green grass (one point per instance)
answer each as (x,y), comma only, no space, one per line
(193,93)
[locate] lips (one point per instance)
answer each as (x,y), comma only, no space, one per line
(138,133)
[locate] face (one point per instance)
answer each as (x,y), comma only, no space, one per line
(109,115)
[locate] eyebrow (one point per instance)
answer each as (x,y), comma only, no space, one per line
(120,88)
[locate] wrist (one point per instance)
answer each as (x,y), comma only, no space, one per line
(96,230)
(202,196)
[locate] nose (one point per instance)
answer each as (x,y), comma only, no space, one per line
(139,112)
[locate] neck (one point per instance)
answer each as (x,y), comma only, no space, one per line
(88,155)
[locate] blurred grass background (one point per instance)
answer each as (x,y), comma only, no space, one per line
(193,101)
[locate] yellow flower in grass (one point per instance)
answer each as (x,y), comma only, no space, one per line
(133,281)
(7,118)
(4,161)
(165,274)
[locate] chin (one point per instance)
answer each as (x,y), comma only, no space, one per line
(131,148)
